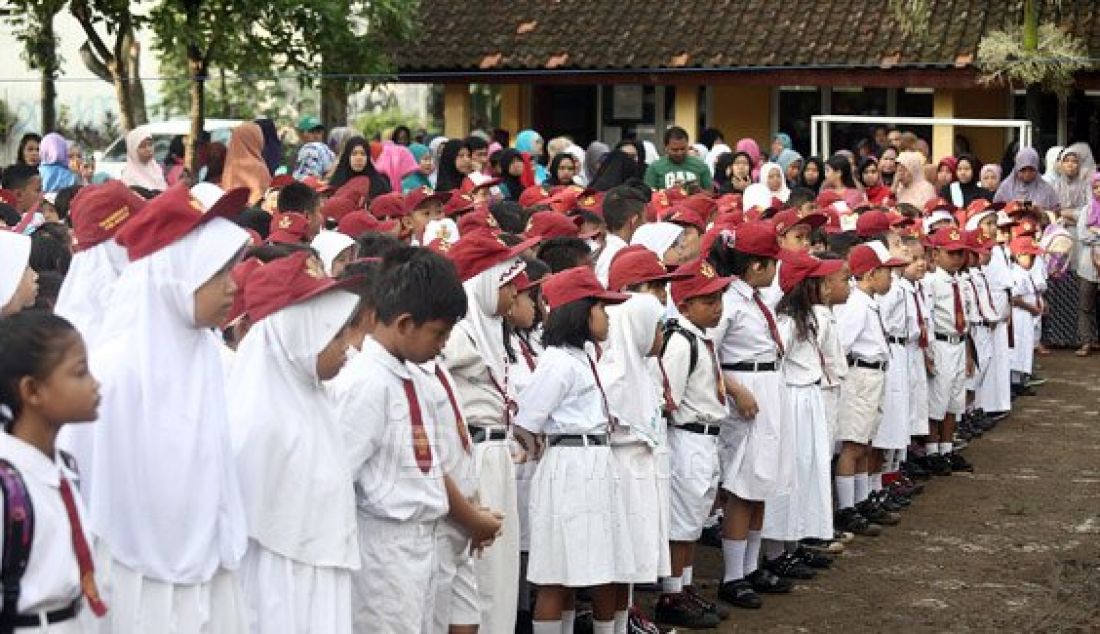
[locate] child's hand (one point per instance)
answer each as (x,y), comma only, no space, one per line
(485,528)
(743,400)
(531,448)
(969,366)
(929,364)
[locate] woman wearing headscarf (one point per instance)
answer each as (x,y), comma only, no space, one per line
(454,165)
(1051,163)
(314,159)
(965,189)
(559,176)
(1069,322)
(945,172)
(273,147)
(773,177)
(791,162)
(910,185)
(244,162)
(780,142)
(512,167)
(813,174)
(717,150)
(617,168)
(54,167)
(990,179)
(593,157)
(721,177)
(1024,183)
(356,161)
(215,162)
(888,165)
(402,135)
(662,238)
(425,166)
(396,162)
(141,169)
(750,147)
(871,179)
(530,142)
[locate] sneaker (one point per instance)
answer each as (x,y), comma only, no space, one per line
(875,513)
(679,610)
(740,594)
(768,582)
(813,559)
(844,537)
(790,567)
(851,521)
(824,546)
(637,623)
(958,463)
(706,604)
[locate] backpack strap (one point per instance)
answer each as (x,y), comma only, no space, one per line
(18,536)
(672,326)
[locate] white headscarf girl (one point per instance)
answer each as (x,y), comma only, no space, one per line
(329,245)
(784,192)
(658,237)
(138,173)
(484,327)
(15,252)
(631,391)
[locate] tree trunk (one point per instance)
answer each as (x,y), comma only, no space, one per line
(334,99)
(131,67)
(49,102)
(124,96)
(48,43)
(196,70)
(1031,26)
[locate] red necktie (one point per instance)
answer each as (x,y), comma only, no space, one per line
(461,424)
(923,340)
(509,405)
(988,294)
(83,554)
(525,350)
(422,449)
(974,287)
(611,423)
(960,316)
(719,385)
(670,405)
(772,328)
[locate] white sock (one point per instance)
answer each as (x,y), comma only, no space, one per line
(603,627)
(547,627)
(932,449)
(733,554)
(689,572)
(752,552)
(773,549)
(620,622)
(672,585)
(876,482)
(946,448)
(567,619)
(861,487)
(845,491)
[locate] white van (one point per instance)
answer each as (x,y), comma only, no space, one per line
(112,160)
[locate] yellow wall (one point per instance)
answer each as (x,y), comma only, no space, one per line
(687,109)
(943,136)
(515,100)
(742,111)
(456,110)
(978,103)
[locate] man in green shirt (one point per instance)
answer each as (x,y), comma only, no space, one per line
(677,168)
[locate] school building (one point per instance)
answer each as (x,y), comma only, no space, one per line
(604,70)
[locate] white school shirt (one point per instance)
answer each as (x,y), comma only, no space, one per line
(52,578)
(695,394)
(773,293)
(912,320)
(859,328)
(983,309)
(894,310)
(998,274)
(1024,287)
(970,298)
(801,363)
(836,362)
(612,244)
(942,305)
(456,459)
(563,397)
(482,401)
(375,417)
(1038,273)
(742,334)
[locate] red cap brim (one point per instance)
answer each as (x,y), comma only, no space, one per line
(231,204)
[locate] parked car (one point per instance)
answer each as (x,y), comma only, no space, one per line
(112,160)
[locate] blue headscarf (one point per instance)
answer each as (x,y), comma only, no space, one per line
(525,142)
(417,179)
(784,140)
(54,167)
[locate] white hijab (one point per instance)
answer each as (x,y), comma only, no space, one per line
(481,323)
(85,291)
(718,150)
(148,175)
(658,237)
(756,195)
(15,252)
(631,392)
(784,192)
(165,497)
(295,481)
(329,245)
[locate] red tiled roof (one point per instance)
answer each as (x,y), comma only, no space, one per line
(704,35)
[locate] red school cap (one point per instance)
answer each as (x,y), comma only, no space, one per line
(421,195)
(1025,245)
(700,279)
(788,218)
(480,219)
(457,204)
(756,238)
(799,265)
(167,218)
(873,222)
(591,201)
(359,222)
(357,189)
(636,264)
(865,258)
(240,274)
(550,224)
(938,203)
(337,207)
(320,186)
(475,181)
(564,200)
(479,251)
(977,241)
(948,238)
(287,281)
(701,203)
(391,205)
(574,284)
(1025,227)
(281,181)
(685,217)
(99,211)
(288,228)
(533,195)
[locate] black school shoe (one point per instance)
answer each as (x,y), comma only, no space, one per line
(790,567)
(874,512)
(767,582)
(818,560)
(850,520)
(958,463)
(938,465)
(740,594)
(680,611)
(712,536)
(706,604)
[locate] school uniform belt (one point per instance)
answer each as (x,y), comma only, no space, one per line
(32,620)
(750,366)
(856,362)
(952,339)
(700,428)
(480,434)
(984,324)
(901,341)
(577,440)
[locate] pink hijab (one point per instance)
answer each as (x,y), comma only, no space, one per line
(749,146)
(919,191)
(396,162)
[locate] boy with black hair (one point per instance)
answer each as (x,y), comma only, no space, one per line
(377,245)
(565,253)
(26,183)
(392,430)
(802,199)
(299,198)
(479,152)
(677,167)
(623,212)
(510,216)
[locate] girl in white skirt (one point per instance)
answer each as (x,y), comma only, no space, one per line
(635,402)
(296,574)
(579,535)
(1026,307)
(806,511)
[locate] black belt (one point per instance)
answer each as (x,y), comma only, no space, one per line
(577,440)
(700,428)
(32,620)
(856,362)
(898,340)
(953,339)
(750,366)
(984,324)
(481,434)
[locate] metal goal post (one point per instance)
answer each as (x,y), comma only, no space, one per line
(820,139)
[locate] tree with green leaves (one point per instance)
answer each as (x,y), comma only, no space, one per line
(33,23)
(116,62)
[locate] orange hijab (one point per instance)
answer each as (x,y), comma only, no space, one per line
(244,162)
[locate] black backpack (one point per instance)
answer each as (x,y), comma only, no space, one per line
(18,536)
(672,327)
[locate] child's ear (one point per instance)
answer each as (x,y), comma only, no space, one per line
(30,391)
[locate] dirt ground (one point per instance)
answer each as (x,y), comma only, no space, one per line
(1013,547)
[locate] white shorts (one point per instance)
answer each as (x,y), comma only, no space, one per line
(696,471)
(947,388)
(918,392)
(392,592)
(455,581)
(861,397)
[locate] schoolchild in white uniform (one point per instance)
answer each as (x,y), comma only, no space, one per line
(755,442)
(698,407)
(792,230)
(166,503)
(18,281)
(835,289)
(982,317)
(623,212)
(863,338)
(392,438)
(296,574)
(917,344)
(476,357)
(950,352)
(1026,306)
(579,531)
(994,395)
(44,385)
(806,511)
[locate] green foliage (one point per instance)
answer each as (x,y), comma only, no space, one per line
(7,121)
(89,136)
(1003,59)
(33,23)
(377,122)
